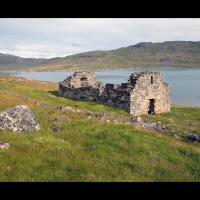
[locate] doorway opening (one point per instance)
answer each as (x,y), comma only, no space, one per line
(151,106)
(151,80)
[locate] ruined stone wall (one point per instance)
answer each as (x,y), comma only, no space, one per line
(80,79)
(82,85)
(117,96)
(133,96)
(85,93)
(144,90)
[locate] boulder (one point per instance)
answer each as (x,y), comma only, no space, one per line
(102,116)
(4,145)
(156,126)
(192,137)
(138,119)
(18,119)
(56,129)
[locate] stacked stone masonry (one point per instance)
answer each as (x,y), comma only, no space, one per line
(81,85)
(144,93)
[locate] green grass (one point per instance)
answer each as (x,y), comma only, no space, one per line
(184,120)
(89,150)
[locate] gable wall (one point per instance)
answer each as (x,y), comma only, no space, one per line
(144,91)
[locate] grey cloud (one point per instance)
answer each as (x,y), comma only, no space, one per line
(76,44)
(61,37)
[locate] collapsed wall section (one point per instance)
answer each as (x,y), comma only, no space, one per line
(117,96)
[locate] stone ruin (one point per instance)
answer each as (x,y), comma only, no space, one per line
(82,85)
(144,93)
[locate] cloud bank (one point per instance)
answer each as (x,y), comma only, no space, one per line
(61,37)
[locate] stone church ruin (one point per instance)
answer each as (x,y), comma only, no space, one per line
(144,93)
(82,85)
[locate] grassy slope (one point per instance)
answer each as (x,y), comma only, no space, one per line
(165,54)
(144,54)
(89,150)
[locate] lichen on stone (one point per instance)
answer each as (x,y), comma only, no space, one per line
(18,119)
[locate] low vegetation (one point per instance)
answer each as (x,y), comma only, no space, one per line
(71,147)
(144,54)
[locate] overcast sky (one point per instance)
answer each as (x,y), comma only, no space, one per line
(61,37)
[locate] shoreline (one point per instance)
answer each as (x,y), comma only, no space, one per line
(99,70)
(51,82)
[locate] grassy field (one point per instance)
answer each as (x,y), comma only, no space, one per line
(90,150)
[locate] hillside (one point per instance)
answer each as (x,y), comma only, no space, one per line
(166,54)
(72,147)
(144,54)
(14,62)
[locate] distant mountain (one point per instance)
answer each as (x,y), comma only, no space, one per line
(144,54)
(13,62)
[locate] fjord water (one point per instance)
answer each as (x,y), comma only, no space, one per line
(184,82)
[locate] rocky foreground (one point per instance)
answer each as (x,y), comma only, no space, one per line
(137,122)
(18,119)
(21,119)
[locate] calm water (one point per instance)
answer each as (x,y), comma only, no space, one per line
(184,83)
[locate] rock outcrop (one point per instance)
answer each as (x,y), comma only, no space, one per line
(192,137)
(18,119)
